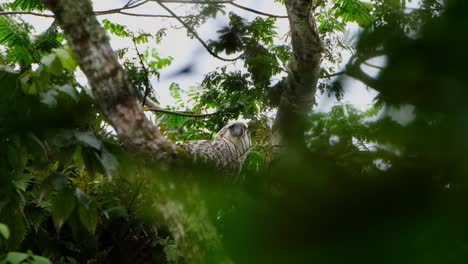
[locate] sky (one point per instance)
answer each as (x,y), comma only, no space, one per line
(187,52)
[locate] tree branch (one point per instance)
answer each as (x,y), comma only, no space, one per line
(108,80)
(127,6)
(147,82)
(353,68)
(297,97)
(187,114)
(372,65)
(195,34)
(332,74)
(198,1)
(256,11)
(150,15)
(6,13)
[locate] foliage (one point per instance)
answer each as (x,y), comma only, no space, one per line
(367,184)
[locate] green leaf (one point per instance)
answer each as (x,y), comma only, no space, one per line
(116,29)
(88,139)
(20,257)
(355,11)
(62,207)
(16,155)
(175,92)
(52,64)
(88,217)
(69,90)
(4,231)
(57,180)
(36,142)
(16,257)
(115,211)
(66,58)
(28,86)
(40,260)
(13,33)
(108,160)
(78,157)
(28,5)
(19,54)
(83,198)
(23,181)
(142,38)
(49,97)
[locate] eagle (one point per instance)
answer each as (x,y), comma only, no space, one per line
(228,150)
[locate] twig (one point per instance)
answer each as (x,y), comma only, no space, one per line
(117,10)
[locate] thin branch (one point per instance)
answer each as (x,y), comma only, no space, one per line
(191,30)
(135,4)
(256,11)
(150,15)
(147,82)
(332,74)
(198,1)
(5,13)
(127,6)
(187,114)
(117,10)
(372,65)
(426,9)
(132,2)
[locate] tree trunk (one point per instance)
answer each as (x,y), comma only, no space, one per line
(298,95)
(107,78)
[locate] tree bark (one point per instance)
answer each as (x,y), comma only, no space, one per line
(298,95)
(108,80)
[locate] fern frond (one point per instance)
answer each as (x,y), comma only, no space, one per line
(13,33)
(27,5)
(47,40)
(20,55)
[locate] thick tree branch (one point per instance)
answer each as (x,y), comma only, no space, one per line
(360,75)
(353,68)
(186,114)
(303,73)
(108,80)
